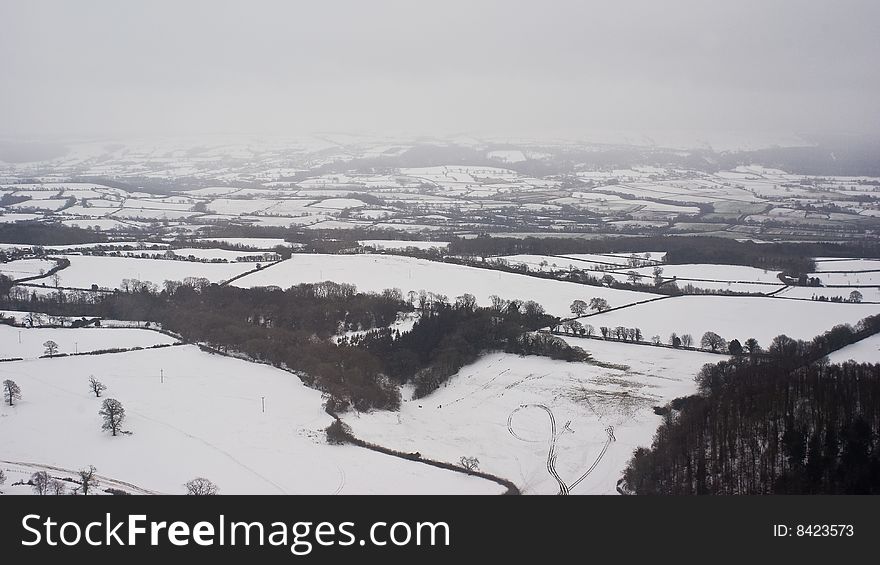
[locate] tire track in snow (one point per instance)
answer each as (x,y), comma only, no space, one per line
(564,488)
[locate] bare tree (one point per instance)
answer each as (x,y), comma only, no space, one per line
(855,296)
(113,414)
(633,277)
(589,330)
(201,486)
(40,482)
(11,392)
(658,276)
(469,463)
(656,340)
(51,348)
(2,477)
(599,304)
(57,487)
(88,479)
(96,386)
(687,340)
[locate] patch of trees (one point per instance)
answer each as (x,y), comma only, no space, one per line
(855,297)
(782,424)
(36,233)
(449,336)
(290,329)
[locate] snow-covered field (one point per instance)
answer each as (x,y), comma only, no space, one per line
(829,264)
(252,242)
(470,415)
(24,268)
(610,260)
(74,340)
(853,278)
(205,254)
(205,419)
(750,287)
(864,351)
(732,273)
(739,317)
(379,244)
(869,294)
(108,272)
(377,272)
(548,263)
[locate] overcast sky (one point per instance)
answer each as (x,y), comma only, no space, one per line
(512,67)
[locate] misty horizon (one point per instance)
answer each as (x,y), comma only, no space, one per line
(566,70)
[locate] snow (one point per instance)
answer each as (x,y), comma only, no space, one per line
(374,273)
(48,204)
(72,340)
(403,324)
(469,415)
(205,419)
(847,265)
(204,254)
(864,351)
(108,272)
(869,294)
(149,214)
(621,261)
(732,317)
(724,273)
(513,156)
(252,242)
(102,224)
(23,268)
(741,287)
(849,279)
(339,203)
(12,218)
(561,263)
(380,244)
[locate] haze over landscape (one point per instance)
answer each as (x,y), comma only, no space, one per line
(440,248)
(513,68)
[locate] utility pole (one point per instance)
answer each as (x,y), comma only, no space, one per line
(161,375)
(263,402)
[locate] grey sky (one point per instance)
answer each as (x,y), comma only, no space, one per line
(510,67)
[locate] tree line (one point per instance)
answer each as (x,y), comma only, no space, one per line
(787,423)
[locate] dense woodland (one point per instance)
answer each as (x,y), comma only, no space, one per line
(450,336)
(37,233)
(295,329)
(788,423)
